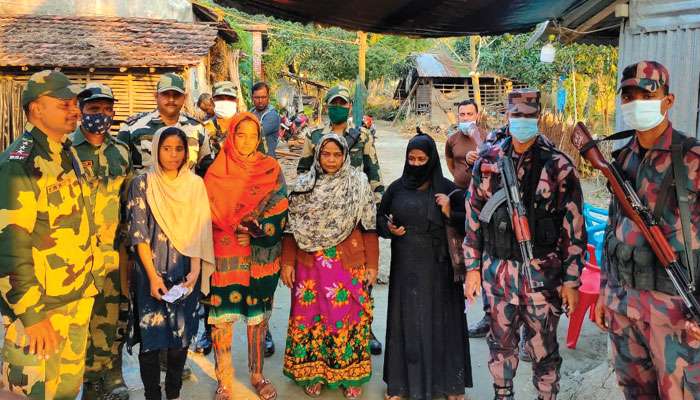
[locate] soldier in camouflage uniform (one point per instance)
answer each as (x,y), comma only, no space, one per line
(47,269)
(656,350)
(225,98)
(551,192)
(106,163)
(139,129)
(362,152)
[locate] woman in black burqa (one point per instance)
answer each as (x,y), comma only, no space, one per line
(427,350)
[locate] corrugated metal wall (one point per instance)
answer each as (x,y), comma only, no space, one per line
(677,47)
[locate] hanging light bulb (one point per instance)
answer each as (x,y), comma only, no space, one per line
(548,51)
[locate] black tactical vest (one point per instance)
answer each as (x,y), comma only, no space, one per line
(545,226)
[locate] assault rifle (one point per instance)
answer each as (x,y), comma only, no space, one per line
(521,228)
(640,214)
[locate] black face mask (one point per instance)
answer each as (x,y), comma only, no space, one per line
(416,175)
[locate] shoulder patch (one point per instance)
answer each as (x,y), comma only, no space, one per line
(136,117)
(21,149)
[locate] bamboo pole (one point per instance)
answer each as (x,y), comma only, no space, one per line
(362,54)
(473,43)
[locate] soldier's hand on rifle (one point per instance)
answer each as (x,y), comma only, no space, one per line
(600,310)
(472,285)
(693,330)
(43,339)
(444,202)
(472,156)
(569,297)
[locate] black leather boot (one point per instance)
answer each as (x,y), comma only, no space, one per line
(481,328)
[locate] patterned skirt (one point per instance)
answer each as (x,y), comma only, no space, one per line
(241,289)
(329,325)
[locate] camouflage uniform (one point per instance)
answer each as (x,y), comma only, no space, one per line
(558,199)
(46,253)
(652,354)
(138,131)
(362,153)
(107,167)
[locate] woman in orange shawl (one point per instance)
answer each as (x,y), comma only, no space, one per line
(248,199)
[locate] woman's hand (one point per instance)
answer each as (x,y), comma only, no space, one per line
(472,285)
(444,202)
(287,276)
(242,236)
(371,276)
(395,230)
(158,288)
(191,280)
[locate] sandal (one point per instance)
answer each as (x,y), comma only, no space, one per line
(265,390)
(313,390)
(352,393)
(222,393)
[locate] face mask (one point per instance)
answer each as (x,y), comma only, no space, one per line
(225,108)
(523,129)
(466,127)
(642,115)
(338,114)
(98,124)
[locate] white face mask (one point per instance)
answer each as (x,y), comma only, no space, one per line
(225,108)
(642,115)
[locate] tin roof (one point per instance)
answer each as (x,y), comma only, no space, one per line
(430,65)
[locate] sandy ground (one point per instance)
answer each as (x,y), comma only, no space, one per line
(585,374)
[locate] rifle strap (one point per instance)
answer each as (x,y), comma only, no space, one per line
(615,136)
(678,177)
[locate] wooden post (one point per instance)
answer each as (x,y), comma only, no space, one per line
(362,54)
(473,43)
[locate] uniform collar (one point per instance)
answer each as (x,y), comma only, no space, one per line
(156,117)
(78,138)
(42,140)
(663,143)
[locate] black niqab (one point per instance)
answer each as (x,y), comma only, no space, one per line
(414,176)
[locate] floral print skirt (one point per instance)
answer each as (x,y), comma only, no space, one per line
(329,324)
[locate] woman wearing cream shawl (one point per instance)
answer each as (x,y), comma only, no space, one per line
(172,237)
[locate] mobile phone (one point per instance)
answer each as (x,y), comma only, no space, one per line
(254,229)
(393,220)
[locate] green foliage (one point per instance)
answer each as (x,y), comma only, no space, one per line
(594,69)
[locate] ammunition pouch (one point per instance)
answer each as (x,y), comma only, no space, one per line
(638,268)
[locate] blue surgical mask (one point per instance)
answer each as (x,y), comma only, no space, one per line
(466,127)
(523,129)
(96,123)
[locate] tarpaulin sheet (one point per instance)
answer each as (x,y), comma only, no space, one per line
(426,18)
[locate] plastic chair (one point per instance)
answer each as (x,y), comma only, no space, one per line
(587,298)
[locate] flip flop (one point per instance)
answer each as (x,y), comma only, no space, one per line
(265,386)
(313,390)
(352,393)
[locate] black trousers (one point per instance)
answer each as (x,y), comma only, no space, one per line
(149,365)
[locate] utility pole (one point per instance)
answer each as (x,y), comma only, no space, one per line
(362,54)
(475,41)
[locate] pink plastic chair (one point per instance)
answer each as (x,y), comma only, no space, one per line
(588,296)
